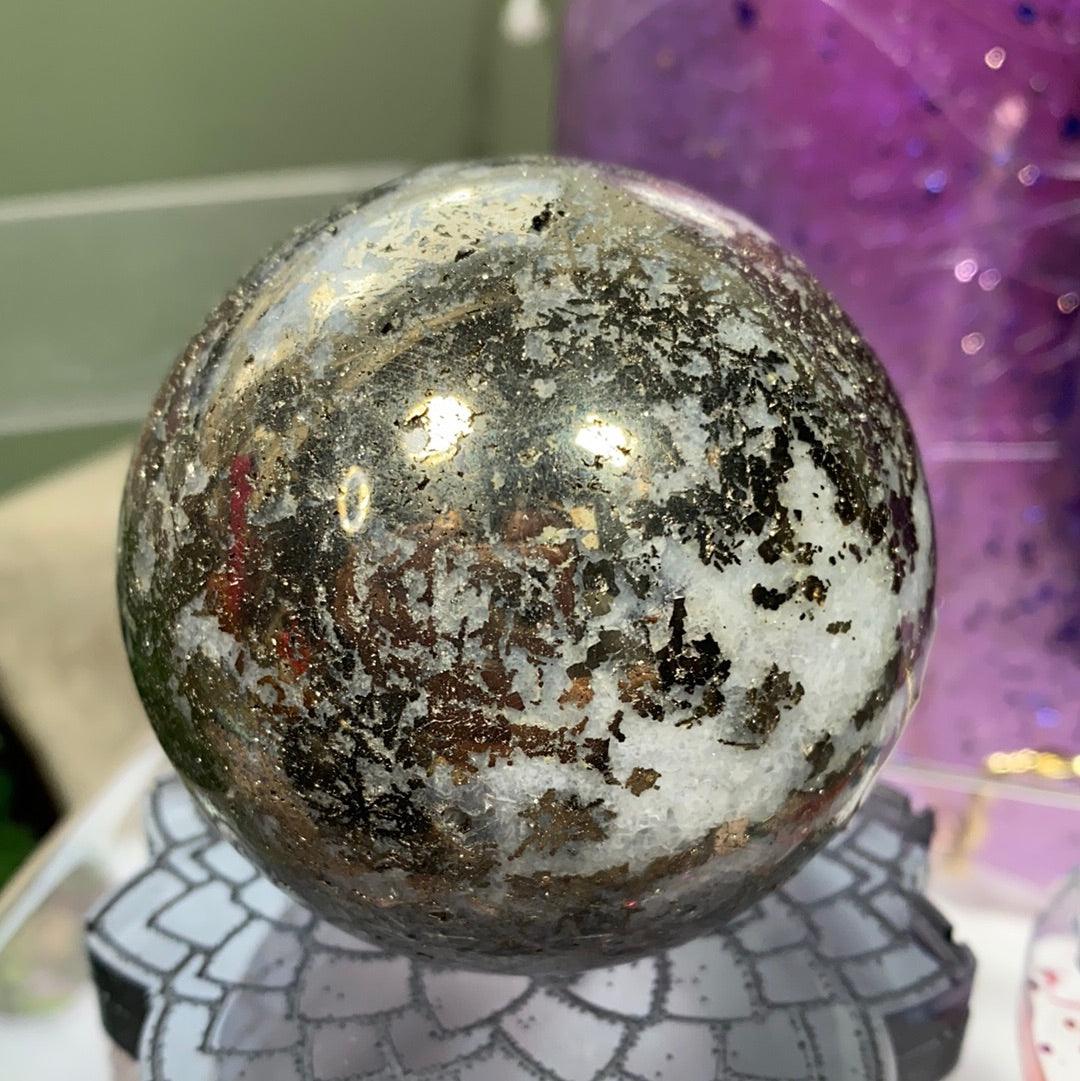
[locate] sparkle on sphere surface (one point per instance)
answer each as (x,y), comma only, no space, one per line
(527,566)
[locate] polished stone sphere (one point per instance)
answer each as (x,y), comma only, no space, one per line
(527,565)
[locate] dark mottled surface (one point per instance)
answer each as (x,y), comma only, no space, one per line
(528,565)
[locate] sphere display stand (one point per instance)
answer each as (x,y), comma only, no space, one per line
(205,971)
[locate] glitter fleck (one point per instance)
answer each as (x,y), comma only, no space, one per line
(965,270)
(972,343)
(746,13)
(935,181)
(1028,174)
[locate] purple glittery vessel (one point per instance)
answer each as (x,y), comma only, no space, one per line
(924,159)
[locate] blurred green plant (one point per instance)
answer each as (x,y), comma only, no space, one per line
(16,840)
(27,808)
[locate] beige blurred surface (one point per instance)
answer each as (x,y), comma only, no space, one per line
(63,675)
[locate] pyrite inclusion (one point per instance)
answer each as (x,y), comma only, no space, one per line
(527,565)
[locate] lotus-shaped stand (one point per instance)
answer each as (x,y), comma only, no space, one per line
(207,972)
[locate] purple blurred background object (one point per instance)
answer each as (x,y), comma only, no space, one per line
(923,156)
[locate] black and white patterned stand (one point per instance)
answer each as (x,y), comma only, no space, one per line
(207,972)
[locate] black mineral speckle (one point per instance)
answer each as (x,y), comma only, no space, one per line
(819,754)
(766,597)
(540,221)
(776,692)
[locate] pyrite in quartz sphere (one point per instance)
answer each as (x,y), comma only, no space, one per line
(527,565)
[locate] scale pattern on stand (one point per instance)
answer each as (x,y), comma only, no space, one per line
(207,972)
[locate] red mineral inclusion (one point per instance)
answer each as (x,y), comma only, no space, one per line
(240,491)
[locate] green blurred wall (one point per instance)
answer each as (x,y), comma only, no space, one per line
(95,93)
(94,303)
